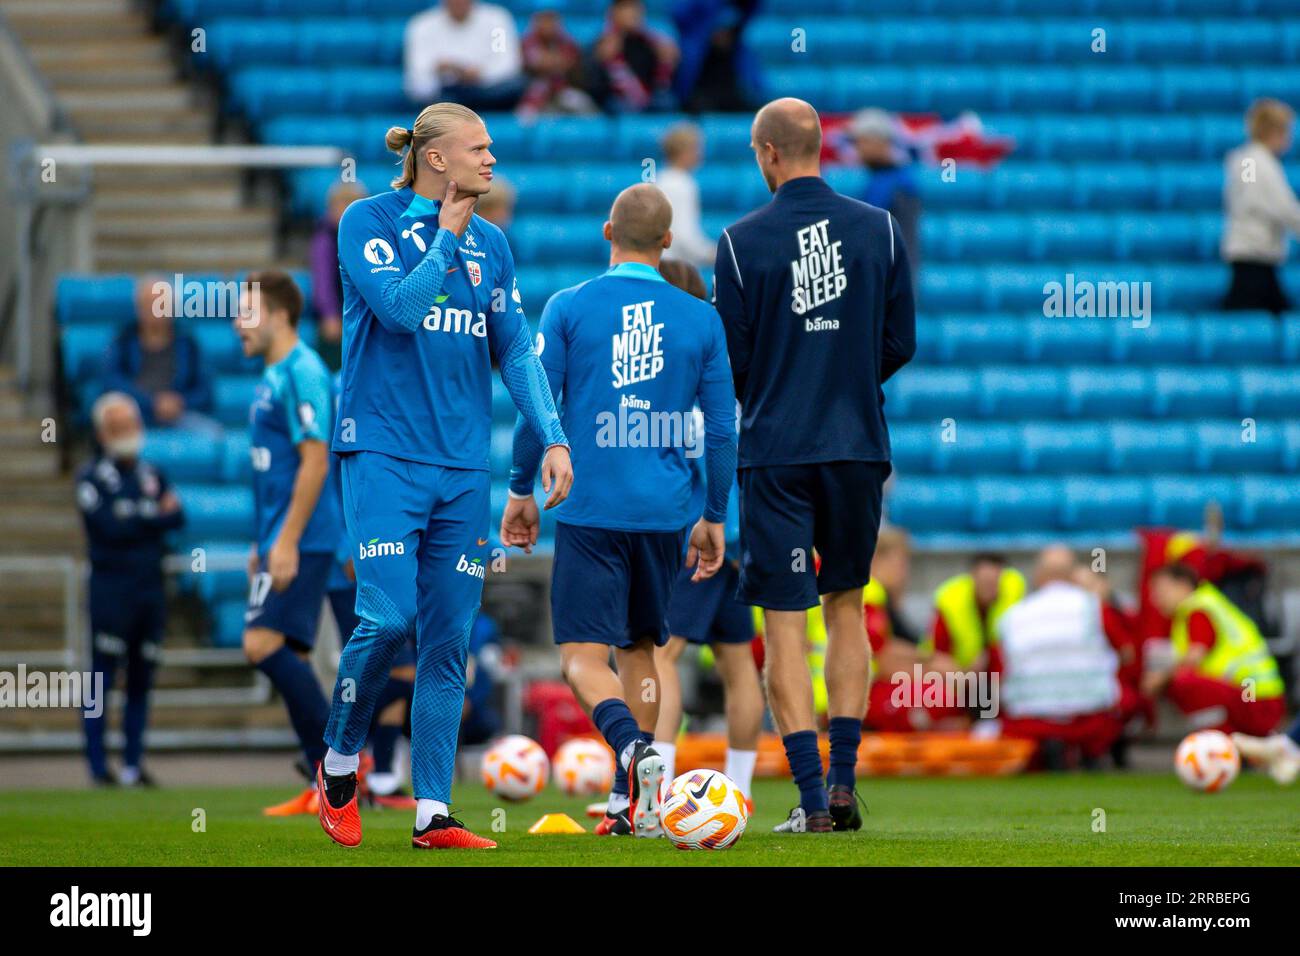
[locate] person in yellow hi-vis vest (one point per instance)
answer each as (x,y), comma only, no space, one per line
(966,607)
(1222,672)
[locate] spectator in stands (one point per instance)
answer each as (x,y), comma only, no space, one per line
(891,566)
(718,71)
(498,206)
(466,52)
(326,282)
(553,62)
(892,182)
(1059,684)
(1259,209)
(159,366)
(683,150)
(128,507)
(893,640)
(631,66)
(1223,675)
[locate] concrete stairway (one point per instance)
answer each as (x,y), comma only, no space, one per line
(118,83)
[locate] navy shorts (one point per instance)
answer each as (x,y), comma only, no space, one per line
(707,612)
(613,587)
(295,611)
(787,511)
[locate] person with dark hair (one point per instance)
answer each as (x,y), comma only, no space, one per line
(298,528)
(1222,674)
(631,66)
(719,72)
(553,62)
(966,608)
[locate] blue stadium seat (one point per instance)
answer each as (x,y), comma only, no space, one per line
(1061,447)
(1271,503)
(1139,447)
(226,576)
(501,449)
(1010,504)
(1231,337)
(1230,447)
(912,446)
(977,448)
(1105,504)
(975,339)
(217,511)
(81,299)
(1079,236)
(1064,341)
(1010,392)
(1179,500)
(236,465)
(932,394)
(232,396)
(1271,391)
(932,504)
(1170,337)
(1106,392)
(182,455)
(83,349)
(1289,350)
(1187,392)
(219,345)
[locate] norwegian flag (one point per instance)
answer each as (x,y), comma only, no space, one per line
(923,137)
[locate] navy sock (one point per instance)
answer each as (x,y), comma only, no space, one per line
(383,742)
(615,721)
(806,766)
(94,726)
(308,708)
(846,735)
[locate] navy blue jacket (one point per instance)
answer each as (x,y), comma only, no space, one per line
(119,504)
(193,382)
(815,293)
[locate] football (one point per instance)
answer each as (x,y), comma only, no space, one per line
(515,768)
(704,810)
(1207,760)
(583,767)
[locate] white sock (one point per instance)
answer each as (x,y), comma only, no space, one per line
(382,784)
(740,768)
(617,802)
(426,810)
(669,753)
(340,765)
(129,776)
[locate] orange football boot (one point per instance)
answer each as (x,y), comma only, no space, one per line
(447,833)
(341,823)
(305,802)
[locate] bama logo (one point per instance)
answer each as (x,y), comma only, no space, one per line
(461,321)
(475,568)
(820,325)
(374,548)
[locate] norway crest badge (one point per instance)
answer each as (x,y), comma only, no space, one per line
(475,273)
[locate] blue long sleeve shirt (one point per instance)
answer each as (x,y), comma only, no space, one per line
(632,355)
(815,292)
(424,313)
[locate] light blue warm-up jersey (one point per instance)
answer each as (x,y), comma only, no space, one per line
(632,355)
(423,316)
(293,404)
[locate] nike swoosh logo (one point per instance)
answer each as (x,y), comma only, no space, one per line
(482,541)
(453,269)
(704,788)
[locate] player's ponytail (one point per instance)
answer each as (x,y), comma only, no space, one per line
(433,122)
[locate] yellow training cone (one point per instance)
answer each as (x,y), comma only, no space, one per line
(557,823)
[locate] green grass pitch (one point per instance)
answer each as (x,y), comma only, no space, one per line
(1150,819)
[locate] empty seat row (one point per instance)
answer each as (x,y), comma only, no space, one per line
(937,394)
(1005,504)
(1125,447)
(81,298)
